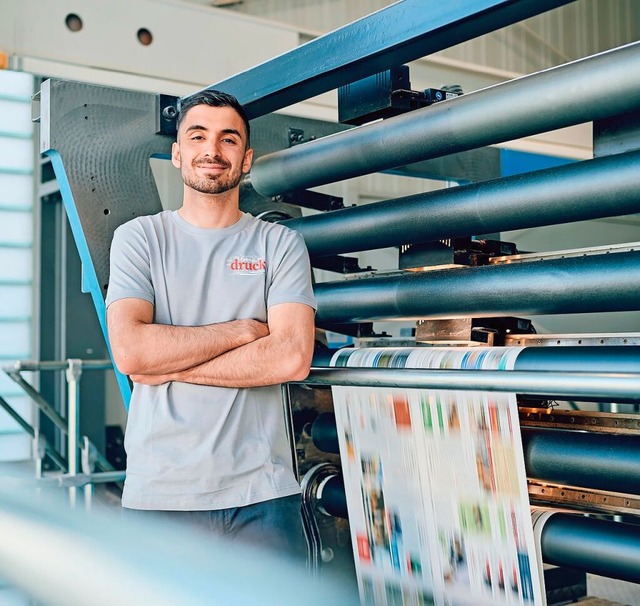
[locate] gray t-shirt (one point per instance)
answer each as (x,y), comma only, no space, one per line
(195,447)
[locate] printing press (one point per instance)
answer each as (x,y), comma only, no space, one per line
(457,281)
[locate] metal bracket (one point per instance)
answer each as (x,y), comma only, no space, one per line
(339,264)
(167,115)
(583,498)
(296,136)
(74,369)
(312,199)
(309,484)
(601,422)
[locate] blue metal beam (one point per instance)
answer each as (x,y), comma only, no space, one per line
(402,32)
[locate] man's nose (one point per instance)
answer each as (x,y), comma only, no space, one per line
(212,149)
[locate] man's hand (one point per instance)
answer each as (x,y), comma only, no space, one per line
(254,329)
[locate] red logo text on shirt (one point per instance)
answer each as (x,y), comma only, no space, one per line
(247,265)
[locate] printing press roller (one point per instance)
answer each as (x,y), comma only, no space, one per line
(598,461)
(593,359)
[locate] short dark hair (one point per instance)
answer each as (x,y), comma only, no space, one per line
(213,98)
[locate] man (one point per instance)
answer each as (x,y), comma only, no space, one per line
(208,311)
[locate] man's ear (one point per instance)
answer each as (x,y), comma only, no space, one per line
(175,155)
(246,163)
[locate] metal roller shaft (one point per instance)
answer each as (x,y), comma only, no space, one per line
(588,460)
(616,387)
(609,549)
(581,91)
(597,283)
(332,497)
(600,358)
(324,433)
(587,190)
(576,358)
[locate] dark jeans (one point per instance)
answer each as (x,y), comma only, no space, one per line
(274,525)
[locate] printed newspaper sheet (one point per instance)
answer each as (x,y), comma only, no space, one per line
(436,486)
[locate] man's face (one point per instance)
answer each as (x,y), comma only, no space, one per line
(211,149)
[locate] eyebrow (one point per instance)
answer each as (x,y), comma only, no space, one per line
(224,131)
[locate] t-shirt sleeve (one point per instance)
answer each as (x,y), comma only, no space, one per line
(291,277)
(129,268)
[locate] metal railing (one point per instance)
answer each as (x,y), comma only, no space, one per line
(82,455)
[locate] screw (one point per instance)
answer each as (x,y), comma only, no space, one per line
(169,112)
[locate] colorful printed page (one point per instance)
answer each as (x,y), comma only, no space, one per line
(436,486)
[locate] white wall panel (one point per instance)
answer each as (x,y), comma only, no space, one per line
(15,302)
(16,264)
(16,154)
(8,388)
(16,190)
(579,29)
(14,334)
(191,44)
(15,447)
(17,158)
(17,227)
(13,597)
(13,85)
(15,118)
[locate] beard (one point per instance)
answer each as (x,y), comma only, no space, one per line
(215,183)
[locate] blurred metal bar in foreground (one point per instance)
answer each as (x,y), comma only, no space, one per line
(118,561)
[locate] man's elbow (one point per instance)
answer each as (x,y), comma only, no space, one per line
(127,362)
(298,366)
(300,374)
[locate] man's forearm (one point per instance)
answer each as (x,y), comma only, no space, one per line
(156,349)
(267,361)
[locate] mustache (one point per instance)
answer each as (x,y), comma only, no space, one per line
(217,160)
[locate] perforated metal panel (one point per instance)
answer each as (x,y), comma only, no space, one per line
(100,140)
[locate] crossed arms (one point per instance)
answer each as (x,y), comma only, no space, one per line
(240,353)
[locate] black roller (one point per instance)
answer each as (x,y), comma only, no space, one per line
(590,460)
(598,358)
(578,192)
(580,91)
(324,433)
(610,549)
(333,498)
(596,283)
